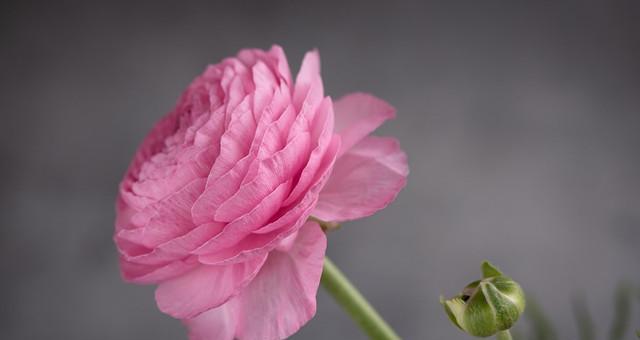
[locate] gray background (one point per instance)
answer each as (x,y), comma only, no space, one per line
(521,121)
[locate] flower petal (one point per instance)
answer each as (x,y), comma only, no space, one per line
(164,220)
(205,287)
(146,274)
(322,134)
(364,180)
(221,189)
(308,89)
(246,223)
(219,323)
(282,65)
(357,115)
(236,140)
(266,238)
(279,300)
(272,172)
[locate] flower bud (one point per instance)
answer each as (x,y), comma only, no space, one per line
(486,306)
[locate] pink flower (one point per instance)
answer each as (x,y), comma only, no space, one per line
(214,207)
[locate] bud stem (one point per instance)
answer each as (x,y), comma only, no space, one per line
(355,304)
(504,335)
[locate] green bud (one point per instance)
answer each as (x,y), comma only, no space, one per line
(486,306)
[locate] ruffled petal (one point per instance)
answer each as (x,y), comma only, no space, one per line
(235,231)
(364,180)
(266,238)
(308,89)
(175,249)
(322,133)
(272,172)
(219,190)
(204,288)
(357,115)
(236,140)
(279,300)
(165,220)
(146,274)
(282,65)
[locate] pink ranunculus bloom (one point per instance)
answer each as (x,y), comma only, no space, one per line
(215,205)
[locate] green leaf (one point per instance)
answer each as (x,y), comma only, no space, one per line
(586,328)
(541,327)
(622,312)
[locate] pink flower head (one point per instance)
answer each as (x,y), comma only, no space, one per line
(214,207)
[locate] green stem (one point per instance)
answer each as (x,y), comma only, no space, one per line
(355,304)
(504,335)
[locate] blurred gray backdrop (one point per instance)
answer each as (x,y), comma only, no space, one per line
(521,121)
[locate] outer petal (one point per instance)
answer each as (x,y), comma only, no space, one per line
(219,323)
(357,115)
(280,299)
(364,180)
(204,288)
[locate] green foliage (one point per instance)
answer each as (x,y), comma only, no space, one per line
(543,329)
(586,328)
(622,303)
